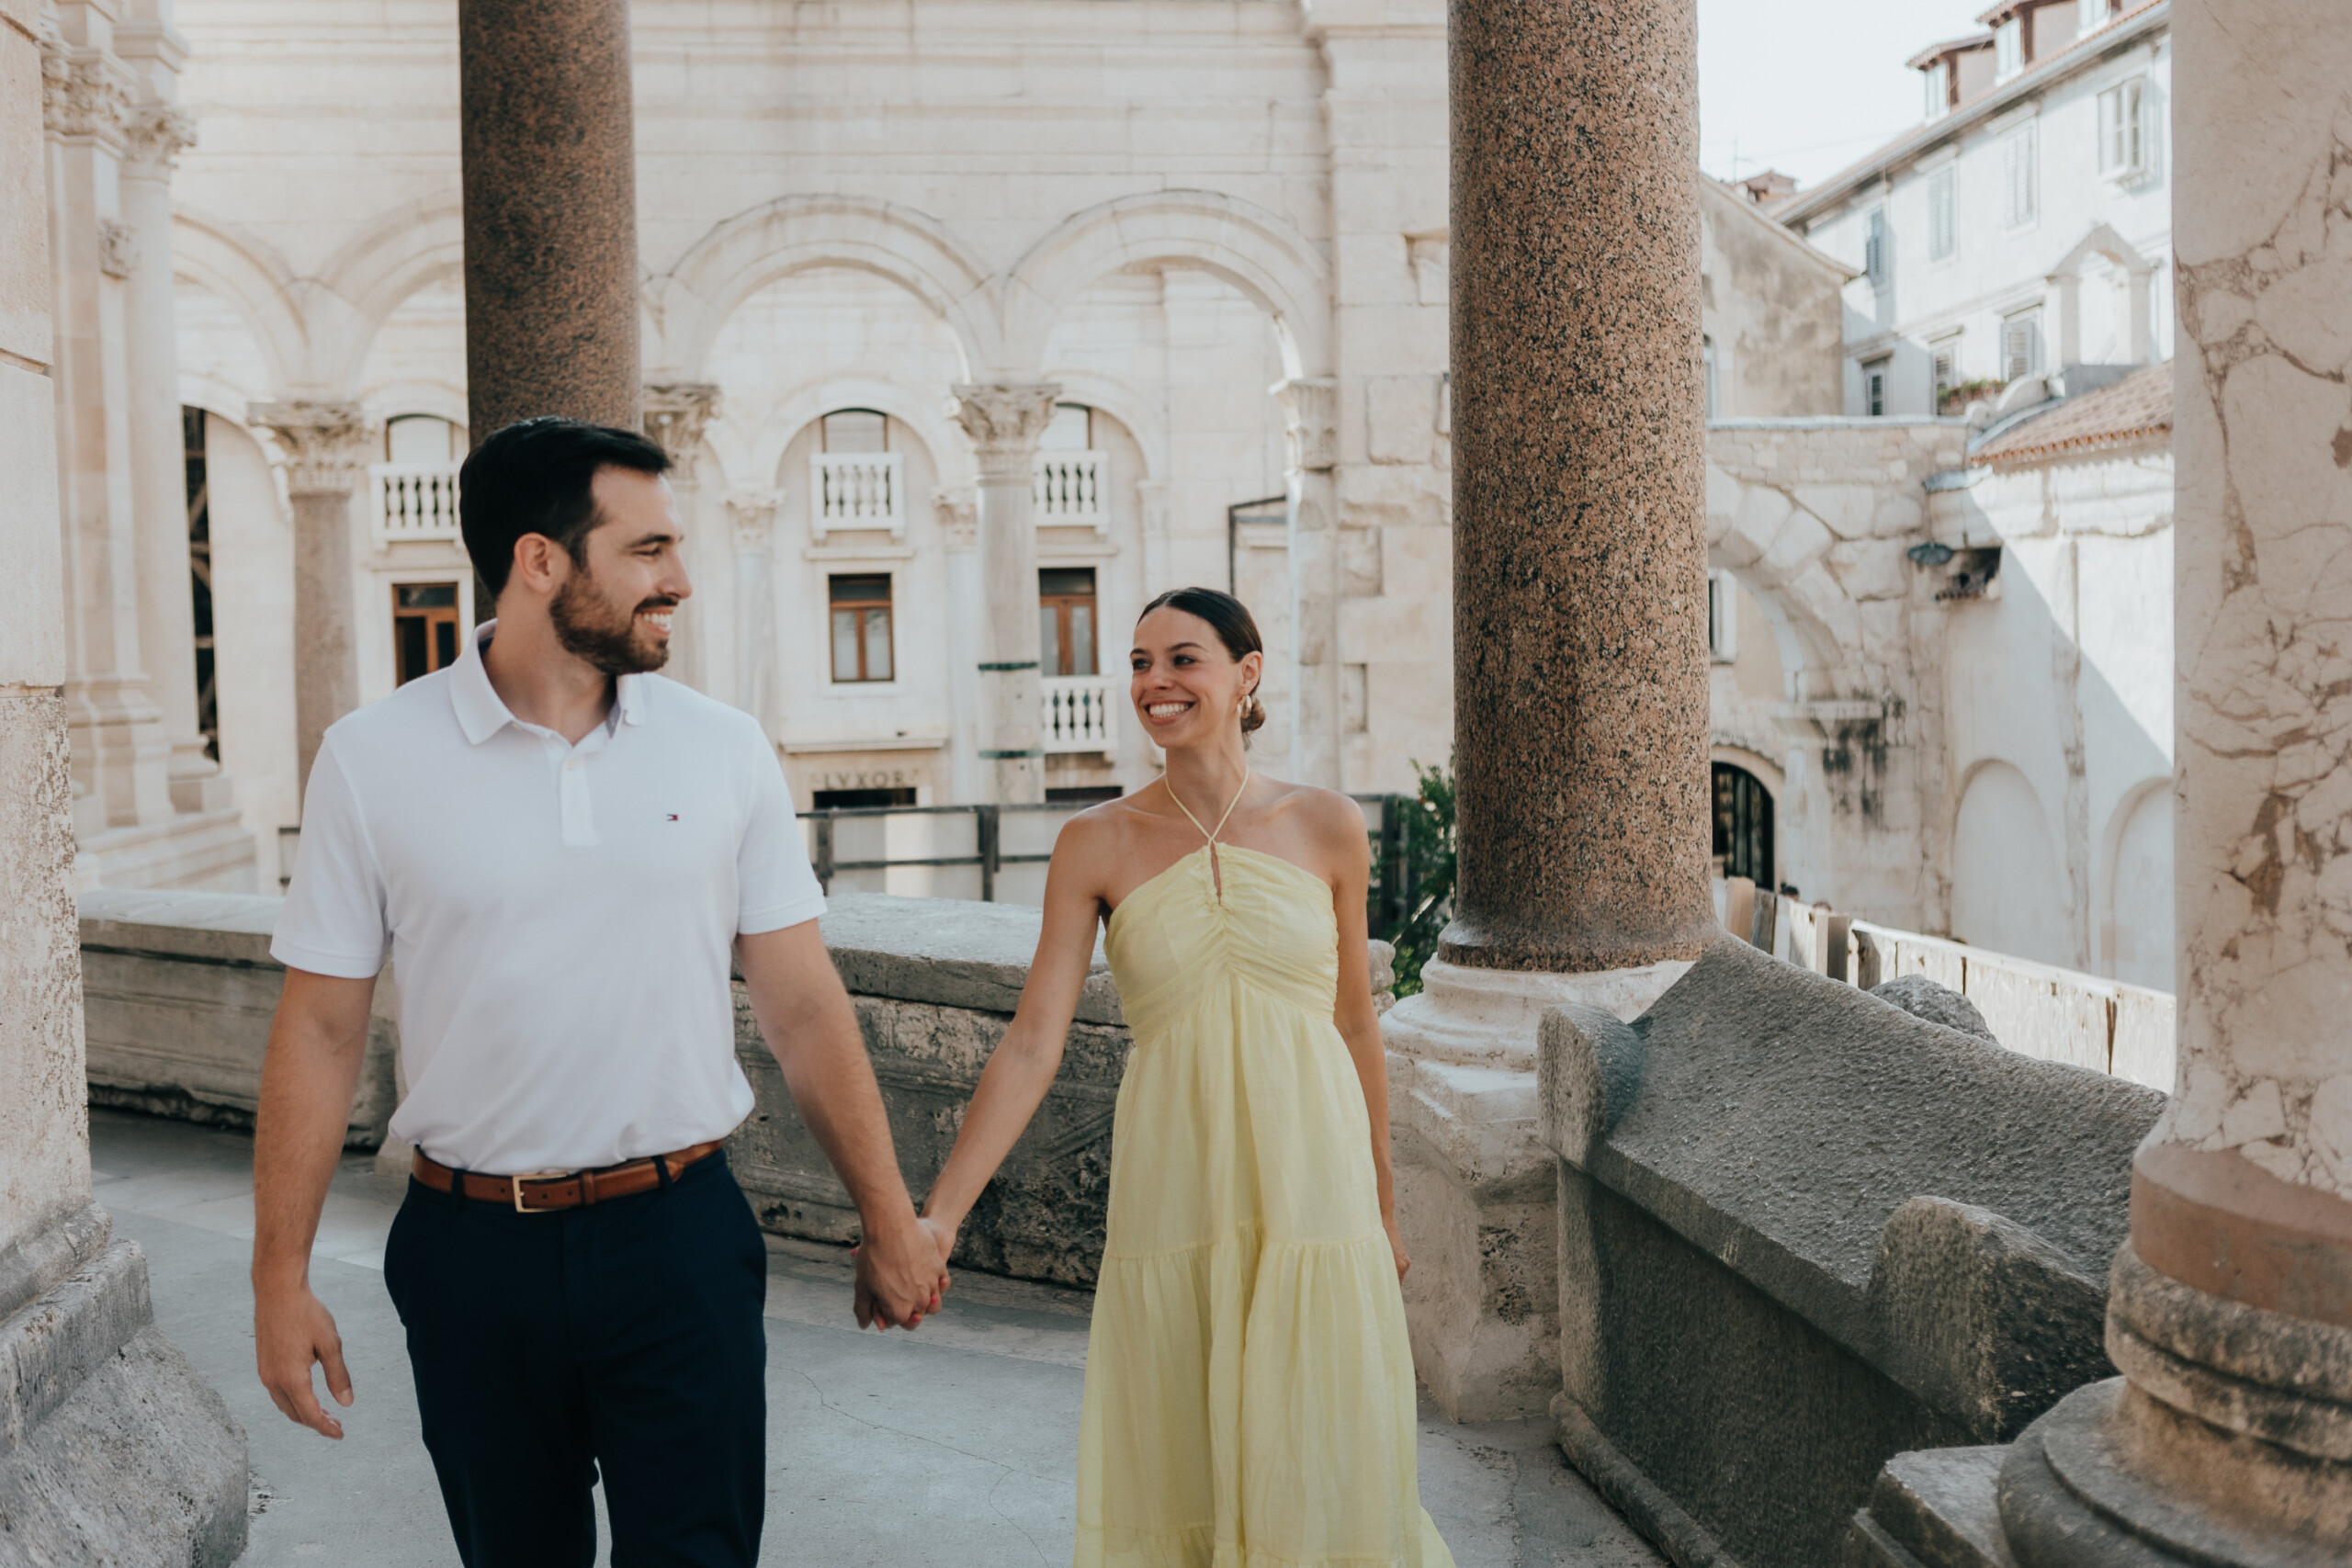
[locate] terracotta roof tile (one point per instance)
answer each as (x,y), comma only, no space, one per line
(2134,409)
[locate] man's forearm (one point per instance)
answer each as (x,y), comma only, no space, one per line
(307,1081)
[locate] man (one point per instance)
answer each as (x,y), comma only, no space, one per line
(557,848)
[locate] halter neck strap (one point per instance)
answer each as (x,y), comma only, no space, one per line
(1208,833)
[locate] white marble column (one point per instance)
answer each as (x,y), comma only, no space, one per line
(958,511)
(1005,422)
(1310,418)
(158,132)
(752,513)
(2229,1437)
(328,446)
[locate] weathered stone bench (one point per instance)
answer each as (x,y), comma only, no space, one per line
(1802,1231)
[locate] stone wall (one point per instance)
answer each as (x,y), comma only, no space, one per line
(1802,1231)
(182,987)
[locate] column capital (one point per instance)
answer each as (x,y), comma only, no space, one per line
(328,444)
(119,248)
(1310,420)
(84,93)
(677,412)
(154,135)
(1005,421)
(753,513)
(960,517)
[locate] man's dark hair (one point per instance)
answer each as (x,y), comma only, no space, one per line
(533,478)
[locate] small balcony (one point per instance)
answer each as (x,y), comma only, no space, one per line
(1079,712)
(413,502)
(857,489)
(1069,491)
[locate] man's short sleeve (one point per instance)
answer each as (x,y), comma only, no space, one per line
(333,920)
(775,887)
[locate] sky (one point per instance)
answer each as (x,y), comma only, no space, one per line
(1807,87)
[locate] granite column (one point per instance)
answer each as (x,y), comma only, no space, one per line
(1580,662)
(328,447)
(1005,422)
(112,1449)
(549,152)
(2228,1440)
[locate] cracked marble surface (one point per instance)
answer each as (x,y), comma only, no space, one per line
(2263,441)
(957,1446)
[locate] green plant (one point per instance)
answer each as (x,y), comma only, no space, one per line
(1426,844)
(1957,399)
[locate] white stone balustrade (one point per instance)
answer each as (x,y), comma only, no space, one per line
(857,489)
(413,502)
(1069,493)
(1081,713)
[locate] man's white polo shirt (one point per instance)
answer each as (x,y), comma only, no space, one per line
(560,918)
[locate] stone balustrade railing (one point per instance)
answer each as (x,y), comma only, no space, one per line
(179,989)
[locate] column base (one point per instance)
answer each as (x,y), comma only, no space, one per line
(197,784)
(112,1448)
(1475,1184)
(2226,1444)
(204,852)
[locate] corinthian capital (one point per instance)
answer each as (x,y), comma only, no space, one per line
(753,513)
(154,135)
(1005,421)
(676,414)
(328,444)
(84,93)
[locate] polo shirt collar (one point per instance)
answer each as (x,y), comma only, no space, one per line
(482,713)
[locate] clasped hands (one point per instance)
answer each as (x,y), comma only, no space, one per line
(901,1272)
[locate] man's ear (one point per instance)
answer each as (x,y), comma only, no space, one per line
(540,564)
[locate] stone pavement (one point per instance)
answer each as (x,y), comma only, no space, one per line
(953,1446)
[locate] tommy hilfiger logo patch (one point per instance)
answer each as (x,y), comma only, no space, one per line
(674,816)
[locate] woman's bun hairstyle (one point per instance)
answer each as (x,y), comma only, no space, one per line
(1233,626)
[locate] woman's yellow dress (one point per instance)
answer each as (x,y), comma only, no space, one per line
(1249,1395)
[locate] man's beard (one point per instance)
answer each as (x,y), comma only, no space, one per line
(590,628)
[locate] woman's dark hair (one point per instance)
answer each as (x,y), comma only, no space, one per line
(1233,626)
(533,476)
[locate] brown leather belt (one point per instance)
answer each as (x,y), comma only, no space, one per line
(537,1191)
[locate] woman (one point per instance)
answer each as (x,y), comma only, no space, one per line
(1250,1397)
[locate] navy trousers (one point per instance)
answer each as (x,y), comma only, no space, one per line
(624,1336)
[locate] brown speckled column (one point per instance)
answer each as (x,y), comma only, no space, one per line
(550,200)
(1579,635)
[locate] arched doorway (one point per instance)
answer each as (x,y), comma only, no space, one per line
(1743,814)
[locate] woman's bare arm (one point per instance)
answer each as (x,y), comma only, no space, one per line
(1340,833)
(1022,1066)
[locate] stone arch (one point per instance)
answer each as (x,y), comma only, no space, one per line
(750,457)
(405,249)
(1780,551)
(691,302)
(2139,951)
(1282,272)
(247,275)
(1144,417)
(2005,893)
(2067,278)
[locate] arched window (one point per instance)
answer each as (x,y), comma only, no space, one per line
(423,440)
(1743,824)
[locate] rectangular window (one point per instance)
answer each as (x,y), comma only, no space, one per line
(859,799)
(1874,247)
(2019,196)
(1066,622)
(1938,79)
(2122,136)
(1722,628)
(1946,357)
(1874,387)
(2009,49)
(199,565)
(2090,13)
(424,629)
(861,624)
(1942,236)
(2021,345)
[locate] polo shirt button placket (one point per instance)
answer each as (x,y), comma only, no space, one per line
(579,815)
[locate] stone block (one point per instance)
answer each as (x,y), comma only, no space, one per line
(1922,997)
(32,631)
(112,1449)
(1802,1231)
(24,202)
(1400,418)
(43,1124)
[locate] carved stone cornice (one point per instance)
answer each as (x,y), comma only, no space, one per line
(676,414)
(154,135)
(753,511)
(328,444)
(84,93)
(1005,421)
(1310,422)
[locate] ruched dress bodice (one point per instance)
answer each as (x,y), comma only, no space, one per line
(1249,1395)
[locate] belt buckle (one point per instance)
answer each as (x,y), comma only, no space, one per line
(516,1186)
